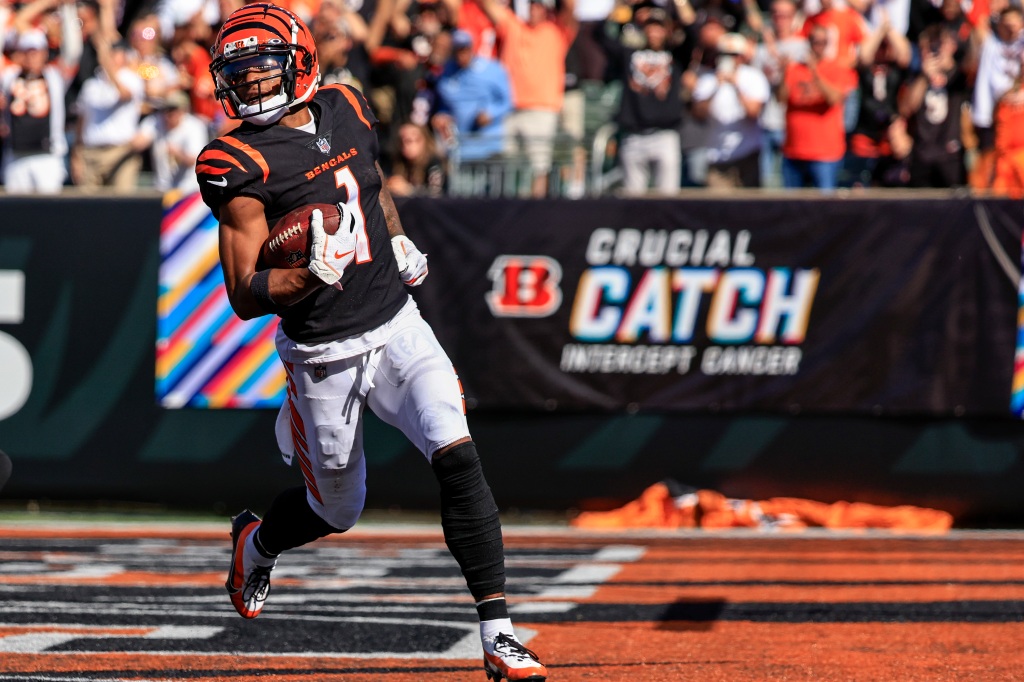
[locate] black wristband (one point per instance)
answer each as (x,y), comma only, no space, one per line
(259,285)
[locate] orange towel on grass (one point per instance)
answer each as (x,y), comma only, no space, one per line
(658,508)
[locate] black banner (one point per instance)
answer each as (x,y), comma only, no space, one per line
(854,305)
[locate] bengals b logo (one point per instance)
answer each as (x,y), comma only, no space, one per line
(524,286)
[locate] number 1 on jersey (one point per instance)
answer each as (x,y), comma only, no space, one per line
(343,177)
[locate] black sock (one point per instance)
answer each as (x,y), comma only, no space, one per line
(290,523)
(259,546)
(492,609)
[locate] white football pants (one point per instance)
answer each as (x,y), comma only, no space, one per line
(408,382)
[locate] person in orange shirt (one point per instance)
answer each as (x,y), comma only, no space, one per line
(534,53)
(846,29)
(474,21)
(1009,144)
(814,92)
(193,62)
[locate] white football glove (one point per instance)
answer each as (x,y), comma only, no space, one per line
(412,263)
(330,254)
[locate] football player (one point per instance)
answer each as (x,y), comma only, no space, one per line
(351,336)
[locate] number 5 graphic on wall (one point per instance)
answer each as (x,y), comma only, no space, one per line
(15,362)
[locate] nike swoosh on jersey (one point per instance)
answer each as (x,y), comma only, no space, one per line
(222,182)
(339,254)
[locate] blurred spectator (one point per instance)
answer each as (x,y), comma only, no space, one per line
(879,144)
(734,15)
(781,43)
(951,16)
(1009,142)
(32,100)
(998,67)
(572,122)
(304,9)
(96,21)
(337,29)
(157,71)
(418,169)
(476,23)
(174,14)
(537,91)
(474,101)
(174,138)
(401,62)
(592,62)
(703,37)
(376,14)
(7,33)
(425,103)
(932,103)
(58,20)
(109,109)
(192,57)
(845,31)
(984,17)
(894,14)
(650,111)
(813,92)
(731,98)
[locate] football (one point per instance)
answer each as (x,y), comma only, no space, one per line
(288,244)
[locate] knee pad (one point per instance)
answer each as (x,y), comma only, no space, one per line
(469,519)
(343,492)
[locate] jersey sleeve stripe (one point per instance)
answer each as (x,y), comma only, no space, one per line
(251,153)
(354,101)
(203,168)
(218,155)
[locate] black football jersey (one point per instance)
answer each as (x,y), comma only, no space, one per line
(287,168)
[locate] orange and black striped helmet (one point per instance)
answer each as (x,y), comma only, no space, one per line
(264,61)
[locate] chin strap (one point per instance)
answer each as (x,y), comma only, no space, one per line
(259,116)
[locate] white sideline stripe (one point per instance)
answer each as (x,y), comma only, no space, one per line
(79,572)
(569,592)
(620,553)
(588,574)
(542,607)
(185,632)
(38,642)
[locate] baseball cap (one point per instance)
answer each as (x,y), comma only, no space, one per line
(461,40)
(32,40)
(175,99)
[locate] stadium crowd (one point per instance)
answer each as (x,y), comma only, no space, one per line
(690,93)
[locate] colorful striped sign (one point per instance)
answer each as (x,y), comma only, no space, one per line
(1017,398)
(205,355)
